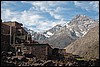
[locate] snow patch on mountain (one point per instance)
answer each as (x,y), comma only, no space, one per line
(46,35)
(84,32)
(63,34)
(77,34)
(49,33)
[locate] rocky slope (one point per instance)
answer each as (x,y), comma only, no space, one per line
(87,46)
(63,34)
(71,31)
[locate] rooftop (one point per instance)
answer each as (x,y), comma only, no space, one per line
(13,22)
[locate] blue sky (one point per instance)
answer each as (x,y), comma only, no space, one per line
(43,15)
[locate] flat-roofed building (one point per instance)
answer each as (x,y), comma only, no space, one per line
(41,51)
(17,32)
(5,37)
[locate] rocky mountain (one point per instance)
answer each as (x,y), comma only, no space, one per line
(63,34)
(71,31)
(60,40)
(81,24)
(52,31)
(35,35)
(87,46)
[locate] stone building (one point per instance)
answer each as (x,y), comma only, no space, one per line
(19,38)
(14,34)
(17,32)
(41,51)
(5,37)
(62,51)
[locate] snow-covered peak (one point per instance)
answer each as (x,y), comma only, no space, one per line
(77,27)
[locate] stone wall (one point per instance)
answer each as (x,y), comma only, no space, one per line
(41,51)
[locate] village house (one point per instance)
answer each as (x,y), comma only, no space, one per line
(5,37)
(13,34)
(17,32)
(40,51)
(19,38)
(62,51)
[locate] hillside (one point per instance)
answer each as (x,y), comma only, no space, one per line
(62,35)
(87,46)
(71,31)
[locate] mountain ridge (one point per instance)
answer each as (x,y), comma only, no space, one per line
(75,29)
(87,46)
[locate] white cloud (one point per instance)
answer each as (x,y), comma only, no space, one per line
(89,5)
(33,16)
(8,13)
(58,9)
(95,5)
(7,3)
(14,19)
(28,18)
(38,5)
(45,7)
(83,5)
(45,25)
(77,3)
(54,14)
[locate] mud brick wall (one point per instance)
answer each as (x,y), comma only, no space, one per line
(40,51)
